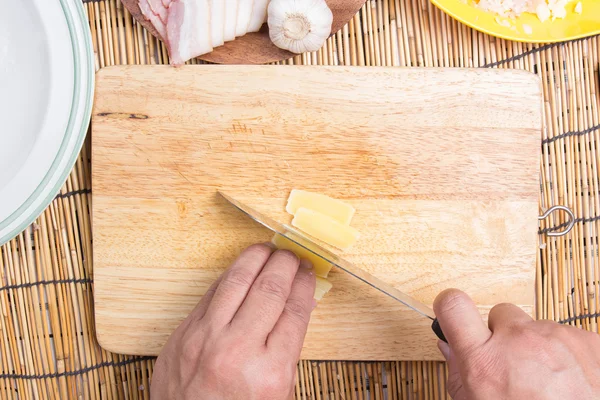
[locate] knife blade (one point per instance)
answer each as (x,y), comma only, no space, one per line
(302,240)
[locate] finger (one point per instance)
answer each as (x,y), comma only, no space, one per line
(288,334)
(200,309)
(454,384)
(460,321)
(267,297)
(236,283)
(507,315)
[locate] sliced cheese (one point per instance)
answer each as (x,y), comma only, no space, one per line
(336,209)
(320,266)
(323,286)
(325,228)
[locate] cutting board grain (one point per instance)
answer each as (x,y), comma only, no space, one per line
(441,166)
(255,48)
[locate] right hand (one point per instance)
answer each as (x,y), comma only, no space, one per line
(513,356)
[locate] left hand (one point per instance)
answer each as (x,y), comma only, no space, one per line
(243,340)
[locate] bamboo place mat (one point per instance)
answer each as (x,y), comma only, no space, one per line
(47,339)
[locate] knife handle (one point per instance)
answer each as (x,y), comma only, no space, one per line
(437,329)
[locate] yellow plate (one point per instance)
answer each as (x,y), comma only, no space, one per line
(573,26)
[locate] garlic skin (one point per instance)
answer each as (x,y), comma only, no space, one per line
(299,26)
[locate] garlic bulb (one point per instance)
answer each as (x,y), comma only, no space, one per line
(299,26)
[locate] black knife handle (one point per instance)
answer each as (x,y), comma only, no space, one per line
(437,329)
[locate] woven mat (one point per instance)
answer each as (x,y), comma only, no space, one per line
(47,341)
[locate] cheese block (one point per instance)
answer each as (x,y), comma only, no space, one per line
(325,228)
(323,286)
(320,266)
(336,209)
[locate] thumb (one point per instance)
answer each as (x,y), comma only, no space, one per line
(461,322)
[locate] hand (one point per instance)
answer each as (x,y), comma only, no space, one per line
(514,357)
(243,340)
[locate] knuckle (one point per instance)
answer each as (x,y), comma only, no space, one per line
(273,286)
(552,330)
(275,386)
(260,251)
(190,349)
(306,280)
(482,368)
(298,310)
(529,336)
(238,277)
(454,385)
(276,383)
(545,340)
(306,264)
(451,301)
(523,332)
(210,292)
(499,307)
(286,257)
(505,314)
(219,368)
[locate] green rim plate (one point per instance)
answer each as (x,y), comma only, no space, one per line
(75,132)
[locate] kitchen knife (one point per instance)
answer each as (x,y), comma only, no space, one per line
(301,240)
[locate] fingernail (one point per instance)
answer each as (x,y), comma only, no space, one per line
(314,304)
(304,263)
(271,245)
(444,349)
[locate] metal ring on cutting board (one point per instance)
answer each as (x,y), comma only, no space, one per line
(570,223)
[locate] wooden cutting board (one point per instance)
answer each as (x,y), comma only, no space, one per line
(441,166)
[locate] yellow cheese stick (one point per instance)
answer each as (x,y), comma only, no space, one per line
(320,266)
(323,286)
(325,228)
(336,209)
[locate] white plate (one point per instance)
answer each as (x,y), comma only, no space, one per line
(46,93)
